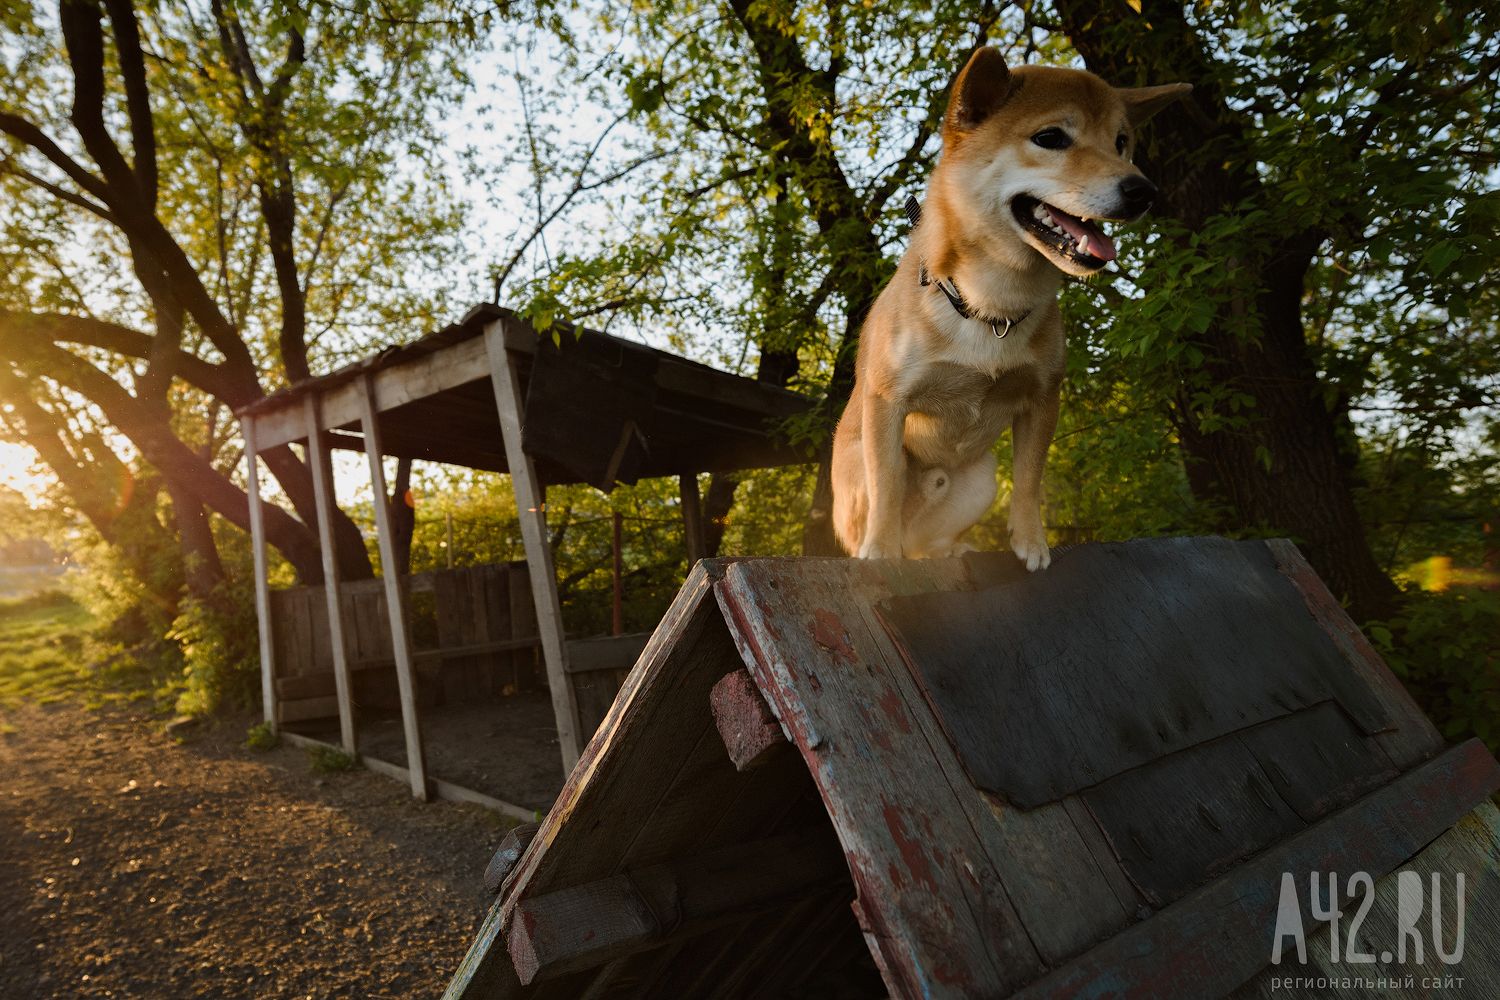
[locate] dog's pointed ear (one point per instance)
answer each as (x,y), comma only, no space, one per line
(1143,102)
(978,91)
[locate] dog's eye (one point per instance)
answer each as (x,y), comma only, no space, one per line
(1121,143)
(1052,138)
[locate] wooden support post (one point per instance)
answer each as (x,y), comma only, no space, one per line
(395,595)
(326,501)
(529,509)
(746,724)
(587,925)
(692,518)
(262,575)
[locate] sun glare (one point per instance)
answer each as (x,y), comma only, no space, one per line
(20,471)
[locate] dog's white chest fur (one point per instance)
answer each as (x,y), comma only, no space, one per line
(965,344)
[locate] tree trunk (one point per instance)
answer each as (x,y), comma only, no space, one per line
(348,543)
(403,515)
(202,569)
(1283,471)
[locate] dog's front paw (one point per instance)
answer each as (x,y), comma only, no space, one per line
(1030,546)
(876,549)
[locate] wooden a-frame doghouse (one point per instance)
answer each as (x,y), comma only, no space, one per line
(840,778)
(488,393)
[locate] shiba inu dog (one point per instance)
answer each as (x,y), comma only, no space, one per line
(967,338)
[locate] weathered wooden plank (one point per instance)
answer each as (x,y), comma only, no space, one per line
(644,738)
(485,973)
(700,786)
(475,649)
(1212,941)
(425,375)
(686,795)
(439,788)
(609,652)
(305,686)
(1031,849)
(1414,738)
(745,722)
(775,798)
(1471,849)
(448,591)
(325,502)
(395,599)
(679,375)
(1179,821)
(305,709)
(923,876)
(583,926)
(692,517)
(1129,897)
(1318,760)
(262,573)
(492,623)
(523,623)
(531,512)
(594,692)
(503,862)
(601,443)
(1184,619)
(288,657)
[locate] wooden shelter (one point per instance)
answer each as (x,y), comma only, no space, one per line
(488,393)
(839,778)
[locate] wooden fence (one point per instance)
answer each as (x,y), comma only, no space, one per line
(474,629)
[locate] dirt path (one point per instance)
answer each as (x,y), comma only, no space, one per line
(132,866)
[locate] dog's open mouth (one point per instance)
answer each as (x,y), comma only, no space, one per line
(1078,240)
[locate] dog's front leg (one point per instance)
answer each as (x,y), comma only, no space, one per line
(885,476)
(1031,434)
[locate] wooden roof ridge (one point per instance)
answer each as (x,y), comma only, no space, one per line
(472,325)
(784,705)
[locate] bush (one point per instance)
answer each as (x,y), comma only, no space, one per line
(326,759)
(220,652)
(1446,647)
(261,737)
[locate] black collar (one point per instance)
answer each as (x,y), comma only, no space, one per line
(1000,326)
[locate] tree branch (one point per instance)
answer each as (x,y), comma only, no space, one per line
(30,134)
(137,97)
(161,447)
(60,193)
(21,329)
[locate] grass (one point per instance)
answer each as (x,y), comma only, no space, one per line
(42,649)
(48,654)
(330,759)
(260,738)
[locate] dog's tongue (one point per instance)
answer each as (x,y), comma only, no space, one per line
(1100,245)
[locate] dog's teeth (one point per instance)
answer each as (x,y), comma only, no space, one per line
(1083,245)
(1039,212)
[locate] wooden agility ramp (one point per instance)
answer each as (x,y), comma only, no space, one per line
(949,778)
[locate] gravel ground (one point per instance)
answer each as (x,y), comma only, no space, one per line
(135,865)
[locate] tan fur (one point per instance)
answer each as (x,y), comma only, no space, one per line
(913,461)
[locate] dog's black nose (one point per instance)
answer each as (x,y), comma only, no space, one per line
(1137,194)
